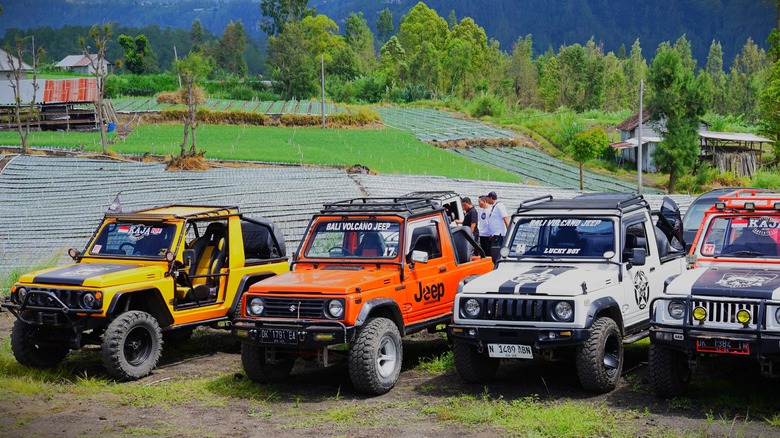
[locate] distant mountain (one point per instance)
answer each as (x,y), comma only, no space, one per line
(551,22)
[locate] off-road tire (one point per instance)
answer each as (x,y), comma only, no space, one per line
(175,337)
(30,348)
(600,359)
(375,357)
(669,371)
(132,345)
(256,368)
(472,366)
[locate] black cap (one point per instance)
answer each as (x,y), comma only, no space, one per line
(492,195)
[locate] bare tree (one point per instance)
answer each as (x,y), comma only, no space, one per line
(99,35)
(19,85)
(191,69)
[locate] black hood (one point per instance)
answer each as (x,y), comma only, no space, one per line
(737,283)
(76,275)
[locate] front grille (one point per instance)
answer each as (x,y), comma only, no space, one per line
(725,312)
(71,298)
(294,308)
(504,309)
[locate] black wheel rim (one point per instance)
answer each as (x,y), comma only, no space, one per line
(138,346)
(611,356)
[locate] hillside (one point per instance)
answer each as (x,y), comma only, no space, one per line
(552,23)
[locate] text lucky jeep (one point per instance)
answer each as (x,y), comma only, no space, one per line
(367,272)
(729,304)
(575,276)
(144,276)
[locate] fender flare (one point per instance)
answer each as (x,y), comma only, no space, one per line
(156,305)
(604,303)
(371,306)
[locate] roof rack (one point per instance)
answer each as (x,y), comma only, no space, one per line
(405,205)
(749,199)
(592,201)
(166,212)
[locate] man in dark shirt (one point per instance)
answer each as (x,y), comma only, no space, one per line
(470,217)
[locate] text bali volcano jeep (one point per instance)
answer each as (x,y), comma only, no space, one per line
(367,272)
(729,304)
(145,276)
(575,275)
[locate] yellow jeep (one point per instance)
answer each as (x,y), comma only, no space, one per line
(144,278)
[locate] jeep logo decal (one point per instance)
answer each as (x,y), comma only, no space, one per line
(641,289)
(429,294)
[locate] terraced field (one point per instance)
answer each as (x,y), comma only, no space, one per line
(128,105)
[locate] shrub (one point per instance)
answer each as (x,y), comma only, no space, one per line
(487,105)
(370,88)
(139,85)
(766,179)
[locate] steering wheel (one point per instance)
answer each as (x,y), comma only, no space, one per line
(127,248)
(344,251)
(532,249)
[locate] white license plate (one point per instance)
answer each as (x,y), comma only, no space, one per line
(510,351)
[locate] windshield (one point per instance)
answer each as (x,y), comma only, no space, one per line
(695,214)
(562,237)
(354,239)
(742,236)
(140,239)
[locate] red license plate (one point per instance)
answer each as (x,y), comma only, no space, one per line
(722,346)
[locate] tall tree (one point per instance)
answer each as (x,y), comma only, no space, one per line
(384,26)
(360,38)
(746,79)
(197,35)
(525,76)
(139,57)
(422,24)
(294,70)
(465,57)
(714,68)
(230,53)
(99,36)
(680,99)
(22,87)
(280,12)
(635,70)
(392,62)
(192,69)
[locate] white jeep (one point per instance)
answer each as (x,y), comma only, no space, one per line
(729,304)
(575,274)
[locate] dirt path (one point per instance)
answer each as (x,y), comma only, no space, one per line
(200,390)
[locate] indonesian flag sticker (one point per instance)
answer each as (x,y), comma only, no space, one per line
(124,229)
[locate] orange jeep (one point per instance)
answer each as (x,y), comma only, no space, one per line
(367,272)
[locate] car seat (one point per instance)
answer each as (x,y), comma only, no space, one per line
(370,246)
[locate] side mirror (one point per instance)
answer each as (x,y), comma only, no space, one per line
(188,257)
(418,257)
(638,256)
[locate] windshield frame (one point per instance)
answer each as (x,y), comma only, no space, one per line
(561,252)
(101,245)
(389,230)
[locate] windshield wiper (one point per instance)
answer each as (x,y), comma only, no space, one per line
(743,252)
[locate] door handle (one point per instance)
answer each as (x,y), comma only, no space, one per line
(652,269)
(442,268)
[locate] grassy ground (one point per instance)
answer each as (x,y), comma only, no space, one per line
(381,150)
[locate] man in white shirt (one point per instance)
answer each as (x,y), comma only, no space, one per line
(497,224)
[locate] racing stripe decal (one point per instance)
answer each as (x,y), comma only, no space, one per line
(529,281)
(741,283)
(76,275)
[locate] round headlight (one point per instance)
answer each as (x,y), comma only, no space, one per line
(335,308)
(471,308)
(676,309)
(88,300)
(564,311)
(256,306)
(777,315)
(22,292)
(743,316)
(699,313)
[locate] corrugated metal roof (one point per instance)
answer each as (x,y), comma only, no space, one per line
(79,61)
(734,136)
(70,90)
(11,66)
